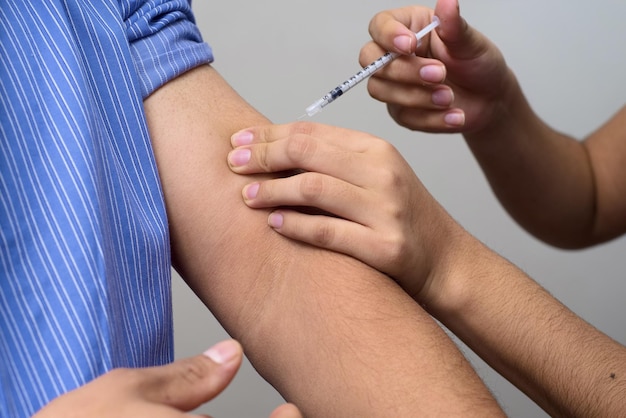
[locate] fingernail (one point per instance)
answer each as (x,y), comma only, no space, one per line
(403,43)
(455,118)
(433,73)
(242,138)
(223,352)
(275,220)
(239,157)
(251,190)
(442,97)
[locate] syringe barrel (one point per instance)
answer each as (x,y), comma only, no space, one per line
(364,73)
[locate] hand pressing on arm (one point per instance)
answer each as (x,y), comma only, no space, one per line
(568,193)
(362,180)
(377,210)
(165,391)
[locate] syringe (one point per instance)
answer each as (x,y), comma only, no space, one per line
(364,73)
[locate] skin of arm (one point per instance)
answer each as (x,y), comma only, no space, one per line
(564,364)
(384,216)
(330,333)
(568,193)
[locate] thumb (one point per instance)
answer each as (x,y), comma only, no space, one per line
(286,411)
(188,383)
(460,39)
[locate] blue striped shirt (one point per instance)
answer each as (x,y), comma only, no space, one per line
(84,245)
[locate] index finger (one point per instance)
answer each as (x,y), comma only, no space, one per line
(394,30)
(347,139)
(341,153)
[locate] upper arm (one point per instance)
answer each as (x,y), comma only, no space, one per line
(607,153)
(330,333)
(212,234)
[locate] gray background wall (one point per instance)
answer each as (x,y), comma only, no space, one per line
(570,58)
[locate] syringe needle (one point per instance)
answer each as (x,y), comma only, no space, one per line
(363,74)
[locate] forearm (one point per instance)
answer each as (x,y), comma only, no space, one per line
(567,366)
(350,343)
(542,177)
(331,334)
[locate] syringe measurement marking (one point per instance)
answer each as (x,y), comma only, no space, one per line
(364,73)
(358,77)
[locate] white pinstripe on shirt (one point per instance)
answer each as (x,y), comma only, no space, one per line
(84,256)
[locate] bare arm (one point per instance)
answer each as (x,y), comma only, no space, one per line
(567,192)
(563,363)
(332,335)
(388,219)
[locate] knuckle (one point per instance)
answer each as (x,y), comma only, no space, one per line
(396,112)
(377,20)
(364,55)
(301,128)
(299,147)
(311,187)
(408,117)
(386,146)
(323,235)
(192,371)
(390,179)
(261,156)
(376,89)
(393,249)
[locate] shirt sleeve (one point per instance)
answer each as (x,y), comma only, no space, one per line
(164,41)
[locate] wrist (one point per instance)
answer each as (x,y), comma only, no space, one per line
(508,107)
(453,286)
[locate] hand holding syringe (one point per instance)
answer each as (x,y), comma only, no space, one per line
(363,74)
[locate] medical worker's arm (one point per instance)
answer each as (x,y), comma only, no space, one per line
(385,217)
